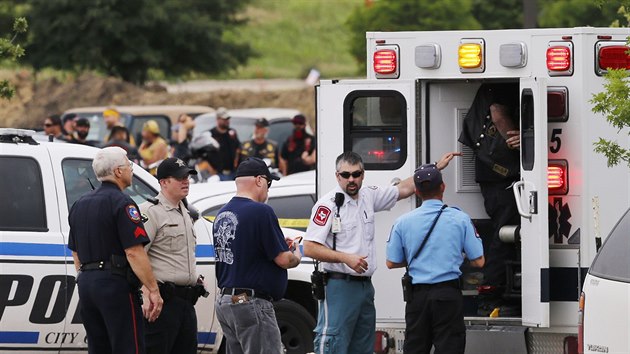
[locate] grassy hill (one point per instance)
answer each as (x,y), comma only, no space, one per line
(292,36)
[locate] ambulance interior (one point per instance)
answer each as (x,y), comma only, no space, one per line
(443,107)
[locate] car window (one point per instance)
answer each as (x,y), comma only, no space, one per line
(98,129)
(22,206)
(280,131)
(292,211)
(79,178)
(613,260)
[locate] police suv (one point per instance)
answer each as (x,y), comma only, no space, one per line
(39,182)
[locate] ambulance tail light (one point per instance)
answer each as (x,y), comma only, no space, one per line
(557,104)
(612,57)
(580,338)
(557,177)
(471,55)
(386,62)
(560,59)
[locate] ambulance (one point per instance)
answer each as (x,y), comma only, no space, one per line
(410,110)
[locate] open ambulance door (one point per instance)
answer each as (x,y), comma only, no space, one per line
(531,198)
(377,120)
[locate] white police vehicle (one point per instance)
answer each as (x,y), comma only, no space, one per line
(38,297)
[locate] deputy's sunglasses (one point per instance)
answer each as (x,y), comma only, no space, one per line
(346,175)
(268,181)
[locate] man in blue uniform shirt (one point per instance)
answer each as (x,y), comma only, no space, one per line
(252,258)
(107,239)
(434,314)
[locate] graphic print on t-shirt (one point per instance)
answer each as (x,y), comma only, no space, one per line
(226,229)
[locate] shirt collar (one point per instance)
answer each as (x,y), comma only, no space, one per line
(432,203)
(166,203)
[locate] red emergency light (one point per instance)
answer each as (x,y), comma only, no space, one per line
(557,177)
(385,61)
(558,58)
(614,57)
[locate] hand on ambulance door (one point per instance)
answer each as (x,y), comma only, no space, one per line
(514,140)
(446,159)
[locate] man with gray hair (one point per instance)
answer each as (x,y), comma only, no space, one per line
(107,240)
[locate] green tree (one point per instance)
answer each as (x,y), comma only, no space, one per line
(498,14)
(127,38)
(407,15)
(576,13)
(9,50)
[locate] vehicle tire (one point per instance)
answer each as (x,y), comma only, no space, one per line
(296,327)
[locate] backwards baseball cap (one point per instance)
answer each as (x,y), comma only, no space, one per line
(82,122)
(299,119)
(223,113)
(174,167)
(427,173)
(254,166)
(262,123)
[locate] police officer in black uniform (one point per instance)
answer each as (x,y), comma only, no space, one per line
(491,130)
(107,238)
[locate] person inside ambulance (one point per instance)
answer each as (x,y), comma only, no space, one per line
(491,131)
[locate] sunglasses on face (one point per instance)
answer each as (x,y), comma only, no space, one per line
(346,175)
(268,181)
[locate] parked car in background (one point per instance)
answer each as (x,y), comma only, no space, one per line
(134,117)
(292,198)
(242,120)
(605,302)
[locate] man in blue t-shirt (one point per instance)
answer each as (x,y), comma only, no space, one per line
(434,314)
(252,258)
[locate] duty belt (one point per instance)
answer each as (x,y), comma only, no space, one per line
(98,265)
(344,276)
(169,290)
(249,292)
(444,284)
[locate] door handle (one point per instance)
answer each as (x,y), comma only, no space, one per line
(533,199)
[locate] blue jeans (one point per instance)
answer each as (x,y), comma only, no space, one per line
(347,318)
(250,327)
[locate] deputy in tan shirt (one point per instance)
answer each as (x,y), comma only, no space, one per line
(172,255)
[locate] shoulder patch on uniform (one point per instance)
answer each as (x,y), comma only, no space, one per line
(373,187)
(321,215)
(474,228)
(133,213)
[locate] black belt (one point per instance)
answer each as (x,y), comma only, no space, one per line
(186,292)
(249,292)
(99,265)
(344,276)
(444,284)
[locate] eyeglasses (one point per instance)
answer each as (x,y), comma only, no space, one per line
(268,181)
(130,165)
(346,175)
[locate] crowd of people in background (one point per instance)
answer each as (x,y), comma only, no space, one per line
(215,154)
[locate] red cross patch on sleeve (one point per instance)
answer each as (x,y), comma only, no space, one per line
(321,215)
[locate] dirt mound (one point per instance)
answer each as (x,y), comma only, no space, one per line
(37,98)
